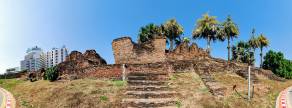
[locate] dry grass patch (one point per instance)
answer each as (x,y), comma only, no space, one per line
(83,93)
(193,92)
(265,91)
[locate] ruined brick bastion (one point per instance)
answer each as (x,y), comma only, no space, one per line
(149,57)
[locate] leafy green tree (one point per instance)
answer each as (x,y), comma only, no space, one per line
(263,42)
(51,74)
(207,28)
(272,60)
(231,31)
(276,62)
(148,32)
(172,30)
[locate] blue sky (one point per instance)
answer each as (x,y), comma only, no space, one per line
(93,24)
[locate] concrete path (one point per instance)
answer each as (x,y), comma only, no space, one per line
(289,97)
(2,102)
(284,100)
(6,99)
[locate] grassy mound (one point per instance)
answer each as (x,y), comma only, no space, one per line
(83,93)
(89,93)
(194,94)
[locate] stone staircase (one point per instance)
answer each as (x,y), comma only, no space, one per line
(149,90)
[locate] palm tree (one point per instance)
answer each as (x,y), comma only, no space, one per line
(231,31)
(264,42)
(148,32)
(206,28)
(172,31)
(186,39)
(177,41)
(241,52)
(254,42)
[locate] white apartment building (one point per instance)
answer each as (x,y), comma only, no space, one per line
(56,56)
(33,60)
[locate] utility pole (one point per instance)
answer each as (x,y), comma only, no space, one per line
(249,85)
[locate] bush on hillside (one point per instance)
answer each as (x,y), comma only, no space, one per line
(276,62)
(51,74)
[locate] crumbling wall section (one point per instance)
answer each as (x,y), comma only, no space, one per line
(127,52)
(184,51)
(76,61)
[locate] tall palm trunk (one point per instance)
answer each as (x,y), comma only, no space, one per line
(261,54)
(253,64)
(171,44)
(228,47)
(209,45)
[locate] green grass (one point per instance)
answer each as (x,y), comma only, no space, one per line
(173,77)
(204,89)
(9,84)
(178,104)
(103,98)
(118,83)
(26,104)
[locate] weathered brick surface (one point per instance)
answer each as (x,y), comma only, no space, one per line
(186,52)
(150,57)
(103,71)
(76,62)
(128,52)
(150,67)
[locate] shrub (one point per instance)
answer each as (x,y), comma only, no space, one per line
(51,74)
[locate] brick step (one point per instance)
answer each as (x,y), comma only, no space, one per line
(157,77)
(146,82)
(146,103)
(147,88)
(173,106)
(150,94)
(146,74)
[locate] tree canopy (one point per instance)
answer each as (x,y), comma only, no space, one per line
(148,32)
(207,28)
(276,62)
(172,30)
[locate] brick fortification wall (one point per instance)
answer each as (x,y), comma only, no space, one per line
(91,65)
(186,52)
(115,71)
(148,57)
(128,52)
(102,71)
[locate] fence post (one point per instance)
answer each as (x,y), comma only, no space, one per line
(249,83)
(124,72)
